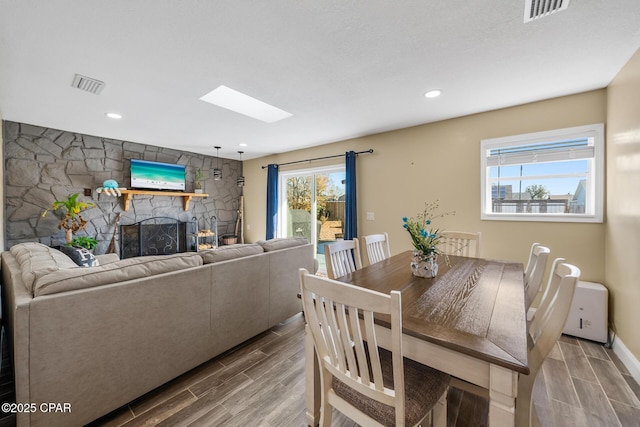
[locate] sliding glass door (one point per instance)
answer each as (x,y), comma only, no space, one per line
(312,206)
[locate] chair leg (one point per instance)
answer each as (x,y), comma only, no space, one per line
(439,412)
(535,422)
(325,415)
(325,407)
(525,400)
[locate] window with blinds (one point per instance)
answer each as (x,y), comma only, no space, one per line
(555,175)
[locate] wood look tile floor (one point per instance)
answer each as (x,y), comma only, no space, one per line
(261,383)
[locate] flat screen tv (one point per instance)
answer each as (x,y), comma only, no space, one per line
(157,175)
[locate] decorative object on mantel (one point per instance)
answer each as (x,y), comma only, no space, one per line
(240,179)
(110,188)
(425,240)
(198,182)
(72,221)
(217,172)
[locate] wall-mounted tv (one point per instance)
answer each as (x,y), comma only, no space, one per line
(157,175)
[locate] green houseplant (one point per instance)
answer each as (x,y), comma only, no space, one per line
(86,242)
(198,181)
(72,221)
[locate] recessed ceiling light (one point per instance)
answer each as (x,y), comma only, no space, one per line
(113,115)
(236,101)
(242,145)
(433,93)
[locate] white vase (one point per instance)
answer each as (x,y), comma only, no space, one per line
(425,266)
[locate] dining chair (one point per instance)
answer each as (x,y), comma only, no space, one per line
(543,332)
(534,273)
(462,243)
(370,385)
(377,246)
(342,257)
(546,300)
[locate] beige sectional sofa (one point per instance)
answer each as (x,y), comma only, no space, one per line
(99,337)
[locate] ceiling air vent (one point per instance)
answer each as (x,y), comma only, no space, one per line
(534,9)
(87,84)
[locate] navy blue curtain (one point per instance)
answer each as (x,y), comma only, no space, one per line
(272,200)
(350,211)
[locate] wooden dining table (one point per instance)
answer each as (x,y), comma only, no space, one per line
(469,321)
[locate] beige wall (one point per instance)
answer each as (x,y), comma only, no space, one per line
(442,161)
(622,230)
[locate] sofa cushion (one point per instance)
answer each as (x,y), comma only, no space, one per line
(80,256)
(228,252)
(104,259)
(115,272)
(282,243)
(37,260)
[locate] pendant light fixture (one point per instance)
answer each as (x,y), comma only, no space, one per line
(240,180)
(217,172)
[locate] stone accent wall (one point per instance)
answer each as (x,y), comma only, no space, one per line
(43,165)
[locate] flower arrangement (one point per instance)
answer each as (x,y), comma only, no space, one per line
(425,239)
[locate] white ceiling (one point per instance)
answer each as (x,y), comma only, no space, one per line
(343,68)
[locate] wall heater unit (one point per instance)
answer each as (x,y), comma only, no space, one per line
(589,312)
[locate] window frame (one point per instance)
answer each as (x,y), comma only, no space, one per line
(595,173)
(282,191)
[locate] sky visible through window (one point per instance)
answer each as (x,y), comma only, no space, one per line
(337,179)
(519,176)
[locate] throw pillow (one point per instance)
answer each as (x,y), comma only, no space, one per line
(80,256)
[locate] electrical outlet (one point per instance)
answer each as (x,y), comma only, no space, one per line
(370,216)
(87,192)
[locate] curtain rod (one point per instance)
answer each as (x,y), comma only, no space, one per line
(369,151)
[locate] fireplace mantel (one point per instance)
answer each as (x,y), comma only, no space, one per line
(186,197)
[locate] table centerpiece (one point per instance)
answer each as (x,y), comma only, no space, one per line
(425,240)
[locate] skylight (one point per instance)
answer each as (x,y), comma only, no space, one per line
(238,102)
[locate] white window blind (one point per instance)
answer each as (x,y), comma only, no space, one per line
(542,152)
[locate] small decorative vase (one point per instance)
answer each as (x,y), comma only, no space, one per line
(424,265)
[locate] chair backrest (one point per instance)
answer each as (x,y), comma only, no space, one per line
(342,257)
(533,280)
(460,243)
(547,299)
(544,331)
(532,262)
(377,246)
(334,312)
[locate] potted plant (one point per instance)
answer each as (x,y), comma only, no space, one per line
(72,221)
(86,242)
(198,181)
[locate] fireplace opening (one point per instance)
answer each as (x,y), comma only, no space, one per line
(157,236)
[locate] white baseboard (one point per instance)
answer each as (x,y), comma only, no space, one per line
(628,359)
